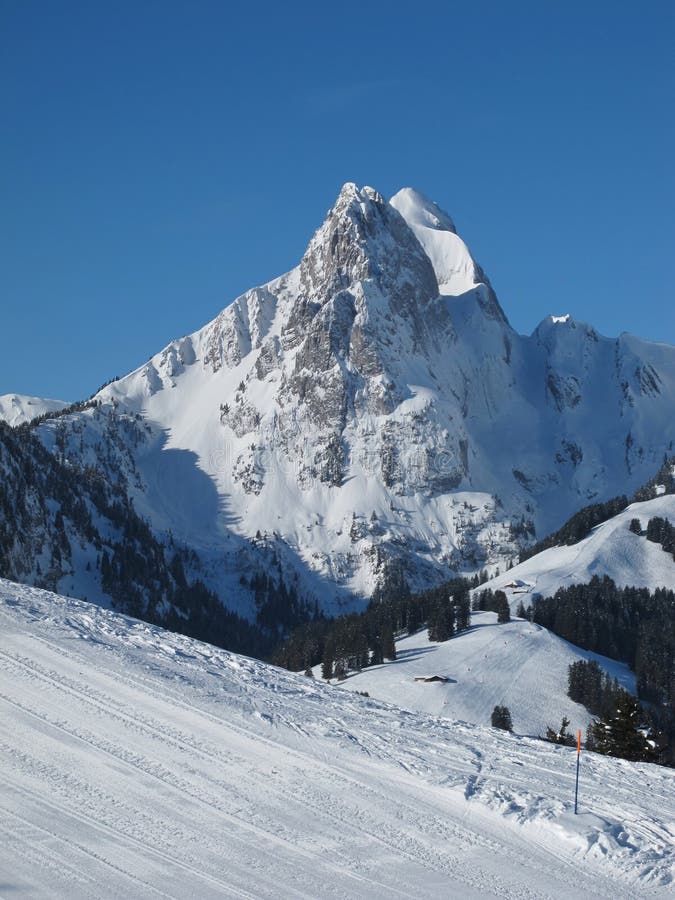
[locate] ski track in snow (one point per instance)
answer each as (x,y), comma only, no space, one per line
(135,762)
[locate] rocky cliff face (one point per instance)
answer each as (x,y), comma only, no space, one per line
(374,415)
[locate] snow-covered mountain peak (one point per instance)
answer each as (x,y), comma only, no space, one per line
(365,285)
(565,333)
(417,209)
(351,192)
(16,409)
(364,239)
(456,270)
(374,410)
(559,323)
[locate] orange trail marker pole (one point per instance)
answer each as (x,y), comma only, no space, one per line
(576,788)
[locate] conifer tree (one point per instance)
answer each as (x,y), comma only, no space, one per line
(340,670)
(503,611)
(501,718)
(387,639)
(521,612)
(462,611)
(328,662)
(624,732)
(562,736)
(441,620)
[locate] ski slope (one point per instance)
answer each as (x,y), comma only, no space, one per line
(519,665)
(139,763)
(610,549)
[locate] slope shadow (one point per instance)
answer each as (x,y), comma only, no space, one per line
(406,655)
(181,497)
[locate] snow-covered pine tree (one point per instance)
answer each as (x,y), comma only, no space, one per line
(562,736)
(625,733)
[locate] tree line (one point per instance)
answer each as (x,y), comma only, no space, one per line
(353,641)
(623,727)
(664,478)
(582,522)
(659,531)
(578,526)
(629,624)
(46,504)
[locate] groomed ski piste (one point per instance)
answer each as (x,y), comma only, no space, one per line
(139,763)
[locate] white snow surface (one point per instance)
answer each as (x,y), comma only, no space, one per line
(15,409)
(453,264)
(139,763)
(519,665)
(610,549)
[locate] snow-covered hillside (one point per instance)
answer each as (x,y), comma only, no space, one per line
(610,549)
(519,665)
(15,409)
(372,411)
(139,763)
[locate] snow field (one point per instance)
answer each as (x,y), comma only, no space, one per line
(610,549)
(15,409)
(519,665)
(140,763)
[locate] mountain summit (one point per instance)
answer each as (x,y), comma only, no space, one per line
(371,417)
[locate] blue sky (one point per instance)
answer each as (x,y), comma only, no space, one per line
(158,158)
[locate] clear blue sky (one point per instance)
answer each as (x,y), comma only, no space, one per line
(158,158)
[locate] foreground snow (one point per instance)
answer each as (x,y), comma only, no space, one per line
(138,763)
(519,665)
(610,549)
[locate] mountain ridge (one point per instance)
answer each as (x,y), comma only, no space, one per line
(19,409)
(373,413)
